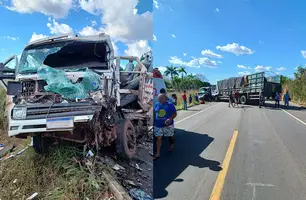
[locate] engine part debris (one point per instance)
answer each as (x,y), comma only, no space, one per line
(89,154)
(138,194)
(32,196)
(118,167)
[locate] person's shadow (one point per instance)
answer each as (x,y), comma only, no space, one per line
(187,150)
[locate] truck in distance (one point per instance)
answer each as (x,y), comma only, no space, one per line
(251,88)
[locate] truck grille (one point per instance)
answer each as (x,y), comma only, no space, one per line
(42,111)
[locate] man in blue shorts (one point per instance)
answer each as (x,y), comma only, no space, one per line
(164,114)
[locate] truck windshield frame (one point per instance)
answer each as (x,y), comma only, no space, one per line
(34,57)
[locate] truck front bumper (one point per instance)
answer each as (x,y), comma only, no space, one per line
(37,115)
(18,127)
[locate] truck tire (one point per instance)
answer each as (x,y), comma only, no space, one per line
(243,99)
(126,139)
(39,144)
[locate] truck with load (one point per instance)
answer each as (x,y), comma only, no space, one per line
(208,93)
(74,88)
(251,88)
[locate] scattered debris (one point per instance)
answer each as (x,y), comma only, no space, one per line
(15,181)
(138,194)
(89,154)
(137,167)
(32,196)
(130,182)
(20,152)
(118,167)
(1,146)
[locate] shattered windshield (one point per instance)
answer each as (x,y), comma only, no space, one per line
(67,55)
(33,58)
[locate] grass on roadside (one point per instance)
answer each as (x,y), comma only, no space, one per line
(180,105)
(58,174)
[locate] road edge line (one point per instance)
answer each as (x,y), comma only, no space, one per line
(194,114)
(218,187)
(294,117)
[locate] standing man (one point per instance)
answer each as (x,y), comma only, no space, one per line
(163,91)
(190,99)
(236,95)
(184,97)
(277,99)
(286,99)
(196,98)
(165,113)
(230,97)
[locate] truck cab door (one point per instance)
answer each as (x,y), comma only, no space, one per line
(8,70)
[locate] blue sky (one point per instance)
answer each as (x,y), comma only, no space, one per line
(255,35)
(23,20)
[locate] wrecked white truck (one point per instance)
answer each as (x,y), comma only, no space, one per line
(73,88)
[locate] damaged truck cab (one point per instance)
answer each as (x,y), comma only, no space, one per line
(73,88)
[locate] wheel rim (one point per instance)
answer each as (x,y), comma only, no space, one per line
(131,139)
(243,100)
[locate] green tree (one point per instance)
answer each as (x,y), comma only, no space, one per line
(182,71)
(172,71)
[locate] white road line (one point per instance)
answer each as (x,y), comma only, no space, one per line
(294,117)
(195,114)
(260,184)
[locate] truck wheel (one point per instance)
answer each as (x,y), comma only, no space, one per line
(39,144)
(126,139)
(243,99)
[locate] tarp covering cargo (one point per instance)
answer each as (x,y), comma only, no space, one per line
(230,83)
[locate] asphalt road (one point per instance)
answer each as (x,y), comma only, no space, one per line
(267,159)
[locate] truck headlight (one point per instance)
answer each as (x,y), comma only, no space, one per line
(19,113)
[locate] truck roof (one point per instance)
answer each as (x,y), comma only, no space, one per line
(102,37)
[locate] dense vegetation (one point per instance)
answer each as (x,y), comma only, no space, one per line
(180,80)
(296,86)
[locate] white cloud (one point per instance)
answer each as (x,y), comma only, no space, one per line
(195,62)
(89,30)
(235,49)
(217,10)
(156,4)
(11,38)
(211,54)
(244,73)
(162,69)
(115,48)
(55,8)
(122,24)
(173,36)
(243,67)
(219,62)
(260,68)
(57,28)
(281,69)
(37,37)
(170,9)
(137,48)
(94,23)
(303,52)
(184,54)
(154,38)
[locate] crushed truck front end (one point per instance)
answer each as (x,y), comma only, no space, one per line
(73,89)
